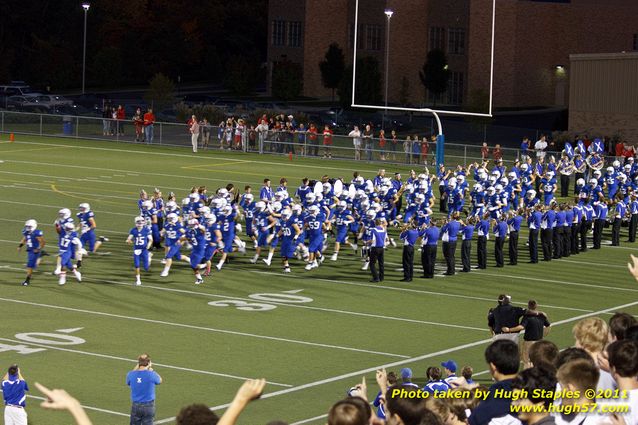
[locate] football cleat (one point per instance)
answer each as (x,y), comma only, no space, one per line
(199,281)
(267,261)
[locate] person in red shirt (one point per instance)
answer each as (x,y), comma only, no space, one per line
(120,120)
(424,151)
(620,147)
(138,121)
(485,152)
(149,121)
(382,143)
(497,153)
(312,140)
(327,141)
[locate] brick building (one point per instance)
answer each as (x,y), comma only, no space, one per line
(534,39)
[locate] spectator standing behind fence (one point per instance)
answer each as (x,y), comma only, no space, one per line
(394,141)
(142,380)
(327,141)
(120,115)
(138,122)
(106,122)
(497,153)
(13,391)
(205,130)
(301,138)
(525,149)
(416,149)
(540,146)
(424,151)
(193,127)
(356,142)
(407,148)
(149,122)
(382,143)
(312,140)
(367,141)
(485,152)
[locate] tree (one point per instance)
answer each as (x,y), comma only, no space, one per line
(368,86)
(242,75)
(287,80)
(332,68)
(435,73)
(161,92)
(107,67)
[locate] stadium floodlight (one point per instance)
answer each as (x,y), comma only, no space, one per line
(86,6)
(434,112)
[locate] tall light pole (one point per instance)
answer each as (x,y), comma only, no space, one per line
(86,6)
(388,14)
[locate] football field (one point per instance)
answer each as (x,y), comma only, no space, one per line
(311,334)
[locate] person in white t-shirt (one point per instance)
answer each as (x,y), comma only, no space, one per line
(356,142)
(540,147)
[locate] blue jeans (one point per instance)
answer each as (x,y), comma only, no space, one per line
(142,413)
(148,133)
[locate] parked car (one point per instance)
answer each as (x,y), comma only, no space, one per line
(25,104)
(199,99)
(51,99)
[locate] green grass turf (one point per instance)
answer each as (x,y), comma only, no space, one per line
(310,352)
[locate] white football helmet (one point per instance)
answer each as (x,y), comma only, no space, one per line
(313,210)
(286,213)
(610,169)
(140,221)
(171,206)
(210,219)
(342,205)
(580,182)
(186,201)
(616,164)
(147,205)
(593,182)
(172,218)
(193,222)
(249,198)
(276,206)
(371,214)
(64,213)
(260,206)
(69,226)
(531,194)
(30,225)
(84,207)
(194,197)
(310,197)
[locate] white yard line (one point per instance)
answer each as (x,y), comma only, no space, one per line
(282,304)
(3,201)
(96,409)
(587,263)
(204,328)
(401,289)
(148,152)
(561,282)
(124,359)
(358,373)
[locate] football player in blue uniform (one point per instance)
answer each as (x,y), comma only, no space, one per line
(247,204)
(342,220)
(87,230)
(289,233)
(213,241)
(142,240)
(227,227)
(70,247)
(34,240)
(64,216)
(315,224)
(263,222)
(196,236)
(172,232)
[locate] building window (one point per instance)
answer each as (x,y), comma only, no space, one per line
(294,34)
(278,33)
(373,37)
(455,88)
(437,38)
(456,41)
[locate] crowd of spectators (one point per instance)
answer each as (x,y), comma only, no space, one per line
(595,381)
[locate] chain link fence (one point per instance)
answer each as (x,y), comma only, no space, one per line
(305,144)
